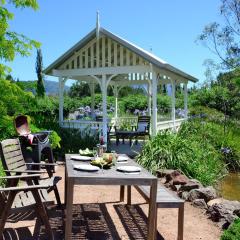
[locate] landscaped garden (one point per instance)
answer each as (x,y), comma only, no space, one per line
(204,150)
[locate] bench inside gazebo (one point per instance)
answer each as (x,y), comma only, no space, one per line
(104,58)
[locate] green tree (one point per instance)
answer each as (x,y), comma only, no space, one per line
(40,82)
(224,39)
(12,43)
(82,89)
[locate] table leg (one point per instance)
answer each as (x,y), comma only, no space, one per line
(152,214)
(65,187)
(117,139)
(180,222)
(129,196)
(69,203)
(122,193)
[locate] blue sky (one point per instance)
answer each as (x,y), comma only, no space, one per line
(169,27)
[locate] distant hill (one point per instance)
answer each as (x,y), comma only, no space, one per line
(51,87)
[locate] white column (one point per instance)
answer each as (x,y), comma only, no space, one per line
(115,89)
(185,100)
(104,106)
(173,85)
(154,103)
(61,98)
(149,98)
(92,91)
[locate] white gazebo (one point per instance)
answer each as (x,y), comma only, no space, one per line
(104,58)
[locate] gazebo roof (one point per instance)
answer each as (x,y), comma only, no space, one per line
(143,54)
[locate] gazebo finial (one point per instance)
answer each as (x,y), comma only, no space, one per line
(97,25)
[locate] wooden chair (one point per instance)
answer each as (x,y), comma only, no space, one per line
(143,126)
(14,164)
(17,198)
(141,129)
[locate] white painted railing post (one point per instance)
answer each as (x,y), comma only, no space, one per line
(92,90)
(104,106)
(154,103)
(173,84)
(149,98)
(185,101)
(115,89)
(61,98)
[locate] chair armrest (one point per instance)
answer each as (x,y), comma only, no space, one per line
(43,132)
(21,176)
(42,164)
(25,171)
(25,188)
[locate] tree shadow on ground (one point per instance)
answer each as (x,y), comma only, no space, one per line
(90,221)
(22,233)
(134,221)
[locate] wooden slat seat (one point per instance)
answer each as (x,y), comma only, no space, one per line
(18,202)
(166,199)
(14,164)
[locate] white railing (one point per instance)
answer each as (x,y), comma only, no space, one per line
(97,126)
(170,124)
(81,124)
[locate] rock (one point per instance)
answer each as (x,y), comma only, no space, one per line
(184,195)
(237,212)
(207,194)
(175,187)
(200,203)
(191,184)
(196,182)
(163,172)
(176,178)
(224,211)
(215,201)
(167,185)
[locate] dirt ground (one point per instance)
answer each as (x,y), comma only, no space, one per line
(98,214)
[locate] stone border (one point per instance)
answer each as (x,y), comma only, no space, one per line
(218,209)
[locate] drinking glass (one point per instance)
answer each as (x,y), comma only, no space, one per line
(95,152)
(102,164)
(114,157)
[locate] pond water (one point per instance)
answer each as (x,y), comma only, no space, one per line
(229,187)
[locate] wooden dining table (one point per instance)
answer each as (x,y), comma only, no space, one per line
(110,176)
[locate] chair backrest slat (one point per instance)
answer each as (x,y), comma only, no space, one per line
(11,155)
(146,120)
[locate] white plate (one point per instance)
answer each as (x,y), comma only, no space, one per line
(85,167)
(122,159)
(81,158)
(129,169)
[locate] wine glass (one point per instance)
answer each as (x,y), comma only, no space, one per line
(102,163)
(95,152)
(114,157)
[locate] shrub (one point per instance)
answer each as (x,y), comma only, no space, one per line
(227,142)
(72,140)
(210,114)
(163,103)
(1,174)
(233,232)
(188,151)
(132,102)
